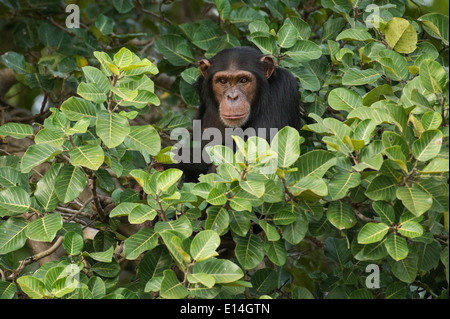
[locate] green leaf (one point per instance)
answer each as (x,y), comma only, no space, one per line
(12,235)
(91,92)
(249,251)
(143,138)
(15,61)
(75,109)
(340,184)
(432,76)
(337,250)
(436,25)
(37,154)
(171,288)
(385,211)
(45,189)
(218,219)
(396,290)
(253,187)
(377,93)
(123,6)
(191,75)
(382,187)
(8,176)
(104,24)
(431,121)
(400,35)
(108,270)
(429,254)
(104,60)
(339,6)
(264,281)
(286,143)
(436,166)
(309,188)
(145,239)
(168,178)
(204,279)
(204,245)
(303,28)
(94,75)
(340,215)
(169,46)
(276,252)
(101,256)
(287,36)
(8,289)
(396,247)
(123,58)
(362,293)
(354,76)
(304,51)
(112,128)
(270,230)
(32,286)
(372,233)
(141,213)
(284,217)
(411,229)
(69,183)
(16,130)
(73,243)
(314,164)
(222,270)
(295,232)
(181,226)
(14,200)
(415,200)
(343,99)
(354,34)
(216,197)
(90,156)
(123,209)
(45,228)
(308,79)
(266,44)
(301,293)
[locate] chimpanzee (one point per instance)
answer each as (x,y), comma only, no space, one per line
(240,87)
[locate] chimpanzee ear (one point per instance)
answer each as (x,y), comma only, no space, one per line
(267,65)
(204,65)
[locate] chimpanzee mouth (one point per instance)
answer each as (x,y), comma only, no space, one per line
(234,117)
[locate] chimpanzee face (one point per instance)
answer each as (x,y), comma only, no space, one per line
(235,90)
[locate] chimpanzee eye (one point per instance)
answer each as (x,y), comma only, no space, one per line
(244,80)
(222,81)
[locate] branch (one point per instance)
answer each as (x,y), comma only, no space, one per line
(38,256)
(363,218)
(162,18)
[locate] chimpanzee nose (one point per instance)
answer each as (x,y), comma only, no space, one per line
(232,95)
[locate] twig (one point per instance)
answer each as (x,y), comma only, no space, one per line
(287,191)
(98,206)
(363,218)
(162,18)
(38,256)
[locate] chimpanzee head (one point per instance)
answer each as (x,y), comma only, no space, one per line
(234,80)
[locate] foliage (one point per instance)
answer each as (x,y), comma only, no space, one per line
(365,183)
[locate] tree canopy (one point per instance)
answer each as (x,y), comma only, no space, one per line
(353,207)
